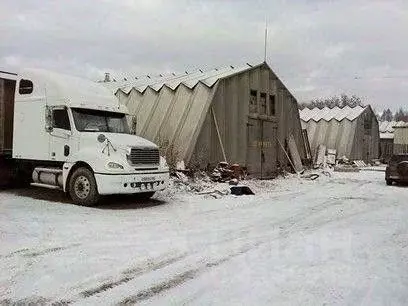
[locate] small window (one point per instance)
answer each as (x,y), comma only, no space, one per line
(253,97)
(60,119)
(272,106)
(25,87)
(263,103)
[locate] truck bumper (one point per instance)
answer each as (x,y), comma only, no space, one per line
(131,183)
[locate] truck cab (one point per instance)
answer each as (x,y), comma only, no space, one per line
(72,134)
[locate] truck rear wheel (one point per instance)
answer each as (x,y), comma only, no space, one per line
(82,187)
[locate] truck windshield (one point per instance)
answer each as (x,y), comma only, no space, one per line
(89,120)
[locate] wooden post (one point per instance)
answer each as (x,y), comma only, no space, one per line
(218,134)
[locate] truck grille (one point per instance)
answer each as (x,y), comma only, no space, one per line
(144,156)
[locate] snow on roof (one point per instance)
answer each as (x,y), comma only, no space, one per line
(387,135)
(401,125)
(327,114)
(172,80)
(389,126)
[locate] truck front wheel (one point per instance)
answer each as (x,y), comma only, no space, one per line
(82,187)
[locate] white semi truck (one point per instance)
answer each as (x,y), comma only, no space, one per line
(66,133)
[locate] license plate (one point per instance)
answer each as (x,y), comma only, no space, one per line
(148,179)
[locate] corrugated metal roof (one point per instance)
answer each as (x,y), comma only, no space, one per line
(327,114)
(401,124)
(388,126)
(172,81)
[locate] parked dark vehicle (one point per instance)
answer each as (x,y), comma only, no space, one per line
(397,169)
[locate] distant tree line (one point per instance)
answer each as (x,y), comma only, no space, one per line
(340,101)
(399,115)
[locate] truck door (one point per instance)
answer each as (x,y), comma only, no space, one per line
(60,134)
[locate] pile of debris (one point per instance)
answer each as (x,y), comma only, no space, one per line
(225,172)
(213,184)
(326,158)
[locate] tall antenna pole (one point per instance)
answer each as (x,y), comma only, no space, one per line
(266,37)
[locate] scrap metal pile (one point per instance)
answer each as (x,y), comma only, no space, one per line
(225,172)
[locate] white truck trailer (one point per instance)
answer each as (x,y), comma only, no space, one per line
(70,134)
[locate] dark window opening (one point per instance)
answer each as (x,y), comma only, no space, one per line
(25,87)
(263,103)
(253,101)
(253,97)
(272,107)
(60,119)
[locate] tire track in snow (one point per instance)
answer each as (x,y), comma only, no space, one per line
(29,253)
(295,225)
(127,276)
(183,277)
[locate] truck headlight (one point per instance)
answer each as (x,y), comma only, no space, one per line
(163,162)
(112,165)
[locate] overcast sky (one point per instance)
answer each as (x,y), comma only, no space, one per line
(317,47)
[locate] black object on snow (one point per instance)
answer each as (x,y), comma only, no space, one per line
(241,190)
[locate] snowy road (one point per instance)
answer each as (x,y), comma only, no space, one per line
(335,241)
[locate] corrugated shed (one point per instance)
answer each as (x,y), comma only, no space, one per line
(401,133)
(401,138)
(388,126)
(172,108)
(342,129)
(326,113)
(181,110)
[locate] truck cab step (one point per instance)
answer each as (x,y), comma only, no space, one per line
(46,186)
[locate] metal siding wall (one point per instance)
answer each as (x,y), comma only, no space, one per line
(401,140)
(347,138)
(333,134)
(203,149)
(375,136)
(357,140)
(230,118)
(145,107)
(175,113)
(311,127)
(219,108)
(192,120)
(243,111)
(282,112)
(150,113)
(161,111)
(296,128)
(132,101)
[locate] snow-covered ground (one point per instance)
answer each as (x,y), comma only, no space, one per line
(333,241)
